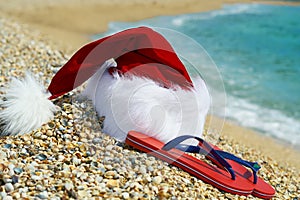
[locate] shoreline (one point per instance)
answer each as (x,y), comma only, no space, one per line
(79,23)
(274,148)
(74,31)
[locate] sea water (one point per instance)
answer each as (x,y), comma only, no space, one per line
(256,48)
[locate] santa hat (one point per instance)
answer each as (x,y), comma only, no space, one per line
(137,66)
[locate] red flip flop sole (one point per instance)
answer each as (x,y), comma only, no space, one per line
(215,176)
(261,188)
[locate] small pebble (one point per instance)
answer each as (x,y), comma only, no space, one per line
(39,188)
(143,169)
(2,194)
(109,147)
(111,183)
(14,179)
(150,169)
(7,146)
(125,195)
(110,174)
(7,197)
(76,161)
(18,170)
(43,195)
(69,186)
(157,180)
(41,157)
(82,193)
(9,187)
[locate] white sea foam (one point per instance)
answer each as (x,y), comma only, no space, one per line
(226,10)
(271,122)
(233,10)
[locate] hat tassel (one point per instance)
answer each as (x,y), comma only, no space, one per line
(26,107)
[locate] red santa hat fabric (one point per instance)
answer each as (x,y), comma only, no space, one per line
(138,51)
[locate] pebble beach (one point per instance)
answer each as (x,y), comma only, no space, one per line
(70,158)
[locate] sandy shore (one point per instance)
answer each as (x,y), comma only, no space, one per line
(69,26)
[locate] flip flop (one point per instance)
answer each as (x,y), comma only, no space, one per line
(261,188)
(222,178)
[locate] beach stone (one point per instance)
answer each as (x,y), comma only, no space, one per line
(18,170)
(110,174)
(55,198)
(125,195)
(157,180)
(111,183)
(11,166)
(39,188)
(150,168)
(7,146)
(2,155)
(9,187)
(36,178)
(143,169)
(95,193)
(11,172)
(16,195)
(292,188)
(82,194)
(7,197)
(96,140)
(14,179)
(76,161)
(41,157)
(69,186)
(109,147)
(43,195)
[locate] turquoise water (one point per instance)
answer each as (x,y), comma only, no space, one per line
(257,50)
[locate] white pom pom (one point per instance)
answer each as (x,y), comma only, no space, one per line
(26,107)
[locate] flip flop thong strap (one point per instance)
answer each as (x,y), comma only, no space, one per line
(254,166)
(175,142)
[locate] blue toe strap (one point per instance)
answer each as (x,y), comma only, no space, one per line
(197,149)
(194,149)
(254,166)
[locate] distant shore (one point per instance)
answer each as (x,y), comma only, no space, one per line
(70,24)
